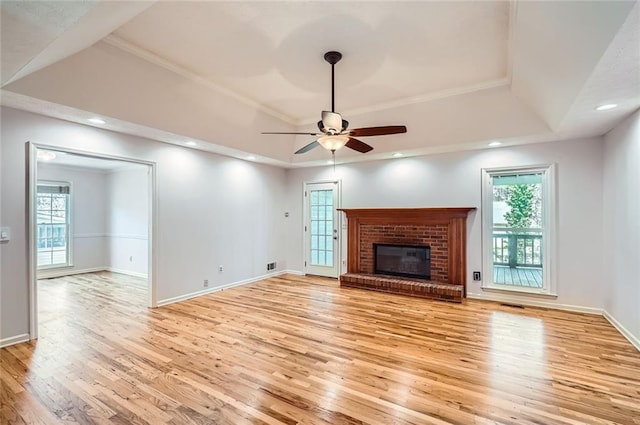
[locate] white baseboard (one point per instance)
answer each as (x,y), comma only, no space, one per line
(506,298)
(624,331)
(294,272)
(218,288)
(67,272)
(5,342)
(127,272)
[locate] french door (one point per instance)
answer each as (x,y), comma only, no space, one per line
(321,229)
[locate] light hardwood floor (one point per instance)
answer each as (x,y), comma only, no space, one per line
(302,350)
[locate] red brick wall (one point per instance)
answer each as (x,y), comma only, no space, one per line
(436,236)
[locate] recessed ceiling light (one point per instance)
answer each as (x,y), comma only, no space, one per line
(251,158)
(397,154)
(96,120)
(46,155)
(494,144)
(190,143)
(606,107)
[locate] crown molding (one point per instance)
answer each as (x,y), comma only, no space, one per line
(502,82)
(148,56)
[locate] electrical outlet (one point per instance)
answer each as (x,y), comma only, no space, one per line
(476,276)
(220,269)
(206,283)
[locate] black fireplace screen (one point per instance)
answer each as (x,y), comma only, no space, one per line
(403,260)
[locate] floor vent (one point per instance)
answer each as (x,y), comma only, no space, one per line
(512,305)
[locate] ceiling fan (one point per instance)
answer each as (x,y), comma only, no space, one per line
(333,129)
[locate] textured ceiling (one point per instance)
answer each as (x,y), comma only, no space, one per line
(457,74)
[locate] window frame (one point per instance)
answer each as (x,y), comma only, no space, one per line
(549,219)
(69,223)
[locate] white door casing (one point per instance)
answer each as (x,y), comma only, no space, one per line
(322,228)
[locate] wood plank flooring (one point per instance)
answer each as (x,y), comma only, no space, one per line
(302,350)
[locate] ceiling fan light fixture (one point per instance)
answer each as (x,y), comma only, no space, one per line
(333,143)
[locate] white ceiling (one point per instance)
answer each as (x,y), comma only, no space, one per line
(457,74)
(86,162)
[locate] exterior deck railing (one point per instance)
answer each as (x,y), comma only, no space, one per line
(517,247)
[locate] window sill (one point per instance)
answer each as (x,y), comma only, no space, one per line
(54,267)
(538,293)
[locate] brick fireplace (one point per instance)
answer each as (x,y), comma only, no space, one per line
(442,229)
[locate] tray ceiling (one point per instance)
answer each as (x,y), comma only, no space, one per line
(457,74)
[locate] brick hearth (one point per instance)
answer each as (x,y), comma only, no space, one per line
(443,229)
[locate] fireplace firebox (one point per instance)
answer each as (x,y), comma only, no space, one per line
(403,260)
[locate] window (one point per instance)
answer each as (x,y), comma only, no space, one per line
(518,223)
(52,233)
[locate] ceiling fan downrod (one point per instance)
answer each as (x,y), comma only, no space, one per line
(333,58)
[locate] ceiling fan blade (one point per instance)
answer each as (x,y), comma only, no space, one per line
(308,147)
(377,131)
(358,145)
(304,134)
(332,121)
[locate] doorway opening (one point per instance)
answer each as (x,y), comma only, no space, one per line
(91,220)
(322,228)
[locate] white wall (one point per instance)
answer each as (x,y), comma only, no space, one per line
(622,224)
(88,216)
(454,180)
(211,210)
(127,194)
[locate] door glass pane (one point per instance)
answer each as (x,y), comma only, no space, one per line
(517,230)
(322,227)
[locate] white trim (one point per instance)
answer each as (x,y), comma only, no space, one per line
(126,236)
(511,38)
(306,243)
(293,272)
(514,289)
(32,178)
(149,56)
(527,300)
(67,271)
(109,235)
(412,100)
(32,250)
(152,223)
(127,272)
(13,340)
(624,331)
(69,221)
(218,288)
(549,226)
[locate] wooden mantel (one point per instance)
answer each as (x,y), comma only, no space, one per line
(454,218)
